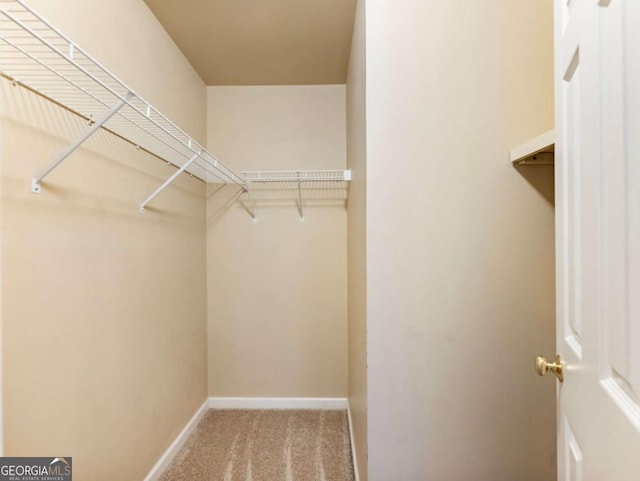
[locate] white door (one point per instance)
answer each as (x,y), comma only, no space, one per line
(597,49)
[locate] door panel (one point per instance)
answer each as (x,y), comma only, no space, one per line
(571,139)
(573,454)
(598,238)
(620,370)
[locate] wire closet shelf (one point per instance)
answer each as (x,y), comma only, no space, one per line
(299,177)
(36,55)
(296,175)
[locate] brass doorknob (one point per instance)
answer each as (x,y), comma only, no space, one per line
(543,366)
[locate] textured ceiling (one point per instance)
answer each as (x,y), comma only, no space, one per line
(261,42)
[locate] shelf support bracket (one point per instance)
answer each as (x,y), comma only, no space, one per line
(300,210)
(35,182)
(252,205)
(169,180)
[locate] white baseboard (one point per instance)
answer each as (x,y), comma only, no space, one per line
(277,403)
(354,457)
(172,450)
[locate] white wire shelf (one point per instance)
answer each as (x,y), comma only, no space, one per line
(296,175)
(36,55)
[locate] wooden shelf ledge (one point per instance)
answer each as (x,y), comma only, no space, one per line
(538,151)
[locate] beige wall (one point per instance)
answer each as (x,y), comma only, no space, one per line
(277,288)
(460,245)
(104,309)
(356,239)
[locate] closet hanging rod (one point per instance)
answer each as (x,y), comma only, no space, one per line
(36,55)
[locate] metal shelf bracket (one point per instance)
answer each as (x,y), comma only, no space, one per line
(168,181)
(35,182)
(252,205)
(300,209)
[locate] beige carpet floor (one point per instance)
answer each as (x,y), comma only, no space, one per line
(242,445)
